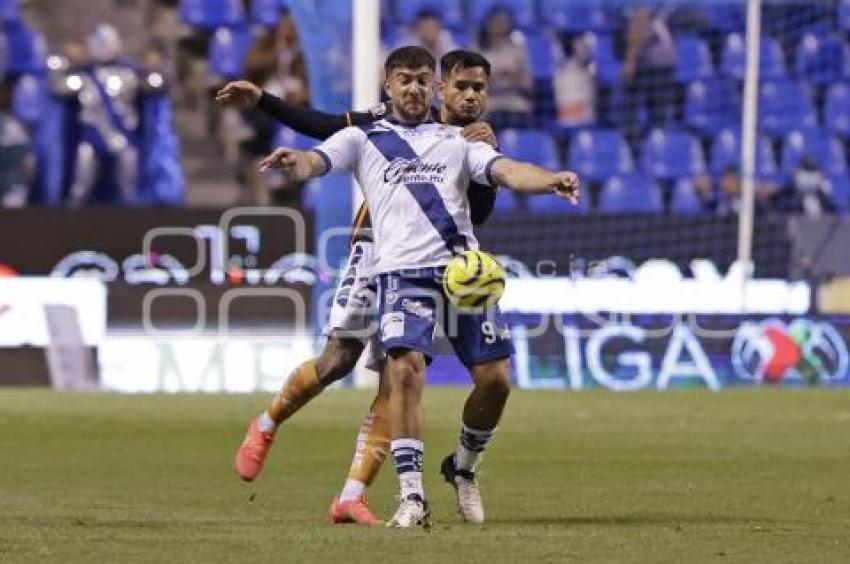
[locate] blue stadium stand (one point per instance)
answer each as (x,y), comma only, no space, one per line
(288,137)
(450,10)
(267,12)
(554,205)
(785,105)
(543,55)
(840,193)
(597,154)
(27,49)
(212,14)
(684,200)
(505,202)
(227,52)
(672,153)
(525,15)
(837,109)
(712,105)
(530,145)
(825,149)
(572,16)
(726,152)
(843,15)
(28,99)
(725,17)
(630,193)
(9,11)
(608,67)
(734,57)
(822,60)
(694,59)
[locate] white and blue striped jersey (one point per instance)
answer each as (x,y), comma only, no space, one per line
(414,180)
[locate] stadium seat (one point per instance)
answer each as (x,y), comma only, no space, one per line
(712,105)
(843,14)
(694,59)
(27,49)
(505,202)
(9,11)
(28,99)
(734,57)
(822,60)
(524,13)
(288,137)
(267,12)
(785,105)
(227,52)
(630,193)
(547,204)
(212,14)
(601,46)
(840,192)
(685,200)
(837,109)
(825,149)
(725,17)
(597,154)
(669,154)
(450,10)
(572,16)
(543,55)
(530,145)
(726,152)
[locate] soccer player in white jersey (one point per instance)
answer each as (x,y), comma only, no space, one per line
(413,173)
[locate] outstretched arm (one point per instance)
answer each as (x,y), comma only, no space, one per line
(298,165)
(245,95)
(531,179)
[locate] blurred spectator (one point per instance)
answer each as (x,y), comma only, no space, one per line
(118,134)
(16,159)
(574,85)
(511,83)
(725,197)
(427,31)
(808,192)
(275,63)
(649,72)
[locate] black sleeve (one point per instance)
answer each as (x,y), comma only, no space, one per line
(304,120)
(482,198)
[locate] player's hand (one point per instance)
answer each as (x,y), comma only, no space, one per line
(284,159)
(567,185)
(242,95)
(480,131)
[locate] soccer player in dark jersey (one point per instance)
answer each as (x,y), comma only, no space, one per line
(465,80)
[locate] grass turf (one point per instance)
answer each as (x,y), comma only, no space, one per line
(742,476)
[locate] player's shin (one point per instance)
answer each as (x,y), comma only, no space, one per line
(301,386)
(373,444)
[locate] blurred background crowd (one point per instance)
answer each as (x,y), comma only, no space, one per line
(115,106)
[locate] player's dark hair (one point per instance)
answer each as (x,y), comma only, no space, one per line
(410,57)
(463,59)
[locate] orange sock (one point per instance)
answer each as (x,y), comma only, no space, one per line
(373,443)
(301,386)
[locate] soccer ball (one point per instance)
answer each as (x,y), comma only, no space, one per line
(474,279)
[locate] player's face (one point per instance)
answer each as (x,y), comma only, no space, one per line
(464,94)
(411,92)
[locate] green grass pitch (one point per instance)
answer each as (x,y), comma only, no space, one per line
(741,476)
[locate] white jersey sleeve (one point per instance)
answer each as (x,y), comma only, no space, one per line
(340,150)
(479,159)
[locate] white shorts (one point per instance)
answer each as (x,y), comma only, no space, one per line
(354,306)
(354,311)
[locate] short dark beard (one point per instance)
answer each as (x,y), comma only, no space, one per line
(405,117)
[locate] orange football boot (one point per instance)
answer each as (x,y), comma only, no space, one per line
(355,511)
(252,452)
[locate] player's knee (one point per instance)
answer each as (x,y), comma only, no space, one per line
(338,359)
(495,380)
(407,372)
